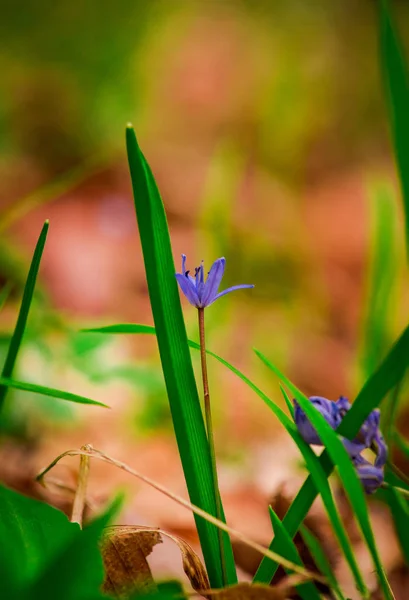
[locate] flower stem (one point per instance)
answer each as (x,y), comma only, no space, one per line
(210,438)
(80,494)
(404,492)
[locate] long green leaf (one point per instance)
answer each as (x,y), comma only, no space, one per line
(378,385)
(381,280)
(23,313)
(313,462)
(385,378)
(400,514)
(339,457)
(47,391)
(396,82)
(382,381)
(321,560)
(307,591)
(175,356)
(287,401)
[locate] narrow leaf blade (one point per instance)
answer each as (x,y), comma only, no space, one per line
(47,391)
(339,457)
(175,357)
(318,474)
(288,549)
(18,333)
(396,83)
(321,560)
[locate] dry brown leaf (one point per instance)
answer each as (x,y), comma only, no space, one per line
(198,511)
(247,591)
(124,552)
(124,555)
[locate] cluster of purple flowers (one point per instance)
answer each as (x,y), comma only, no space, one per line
(369,436)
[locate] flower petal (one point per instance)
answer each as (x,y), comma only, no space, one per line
(213,281)
(231,289)
(307,431)
(371,477)
(353,448)
(188,288)
(328,410)
(381,450)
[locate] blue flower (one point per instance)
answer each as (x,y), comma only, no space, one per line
(329,411)
(370,475)
(369,436)
(201,293)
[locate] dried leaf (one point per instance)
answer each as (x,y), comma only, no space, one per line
(247,591)
(124,553)
(198,511)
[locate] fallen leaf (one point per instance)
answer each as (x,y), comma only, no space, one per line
(124,553)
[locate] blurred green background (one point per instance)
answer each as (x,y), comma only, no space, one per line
(265,125)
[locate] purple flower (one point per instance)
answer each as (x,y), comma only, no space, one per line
(328,410)
(369,436)
(371,476)
(201,293)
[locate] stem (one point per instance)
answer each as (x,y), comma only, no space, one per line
(80,494)
(404,492)
(210,438)
(94,453)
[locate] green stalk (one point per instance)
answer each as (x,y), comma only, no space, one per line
(19,329)
(210,437)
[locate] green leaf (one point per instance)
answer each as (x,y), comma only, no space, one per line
(23,313)
(396,82)
(47,391)
(313,462)
(307,591)
(76,571)
(400,514)
(321,560)
(287,401)
(383,275)
(42,553)
(347,472)
(389,373)
(175,356)
(385,378)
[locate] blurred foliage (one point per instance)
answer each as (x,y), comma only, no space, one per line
(75,73)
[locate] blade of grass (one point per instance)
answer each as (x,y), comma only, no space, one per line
(47,391)
(389,373)
(313,462)
(307,591)
(375,389)
(287,401)
(175,357)
(382,277)
(400,514)
(339,457)
(23,313)
(99,455)
(321,560)
(396,83)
